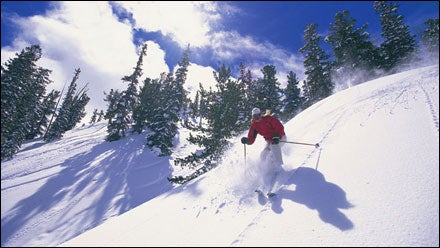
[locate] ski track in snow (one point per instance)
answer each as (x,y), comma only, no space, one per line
(431,106)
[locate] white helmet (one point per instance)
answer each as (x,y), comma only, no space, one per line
(256,111)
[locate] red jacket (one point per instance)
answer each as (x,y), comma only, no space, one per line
(267,127)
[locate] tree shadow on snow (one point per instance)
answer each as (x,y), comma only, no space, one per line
(122,174)
(315,192)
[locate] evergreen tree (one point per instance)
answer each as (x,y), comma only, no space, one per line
(271,90)
(77,111)
(222,116)
(247,103)
(162,124)
(292,97)
(173,106)
(203,109)
(71,112)
(318,84)
(131,93)
(149,101)
(115,127)
(100,116)
(398,44)
(180,98)
(430,37)
(23,87)
(194,106)
(355,56)
(125,103)
(111,99)
(94,116)
(42,113)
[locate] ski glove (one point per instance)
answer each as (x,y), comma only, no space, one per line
(244,140)
(276,139)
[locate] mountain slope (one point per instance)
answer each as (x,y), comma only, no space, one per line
(374,181)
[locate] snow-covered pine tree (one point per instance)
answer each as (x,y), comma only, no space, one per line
(222,115)
(131,93)
(163,118)
(181,94)
(355,56)
(42,113)
(77,111)
(398,44)
(318,84)
(430,38)
(100,116)
(71,112)
(271,91)
(23,86)
(148,101)
(173,107)
(246,104)
(94,116)
(123,104)
(116,126)
(292,101)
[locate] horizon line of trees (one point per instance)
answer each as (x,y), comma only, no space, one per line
(159,107)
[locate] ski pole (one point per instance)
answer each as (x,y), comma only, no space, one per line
(246,172)
(244,155)
(300,143)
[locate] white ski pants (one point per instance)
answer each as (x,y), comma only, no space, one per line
(272,153)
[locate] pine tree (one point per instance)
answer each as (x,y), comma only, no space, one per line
(181,101)
(131,93)
(194,105)
(77,111)
(222,116)
(149,100)
(430,38)
(162,124)
(292,97)
(71,112)
(355,56)
(94,116)
(42,113)
(271,90)
(398,44)
(247,103)
(100,116)
(125,104)
(318,84)
(116,125)
(23,87)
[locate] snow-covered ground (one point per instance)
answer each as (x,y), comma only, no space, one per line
(374,181)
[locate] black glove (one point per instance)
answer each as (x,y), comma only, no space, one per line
(244,140)
(276,139)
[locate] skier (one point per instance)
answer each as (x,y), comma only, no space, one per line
(273,131)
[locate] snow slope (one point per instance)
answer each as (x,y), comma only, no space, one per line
(374,181)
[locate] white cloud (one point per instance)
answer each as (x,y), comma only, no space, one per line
(184,22)
(199,74)
(256,55)
(90,37)
(154,63)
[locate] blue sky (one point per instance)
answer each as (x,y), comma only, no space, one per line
(103,38)
(279,23)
